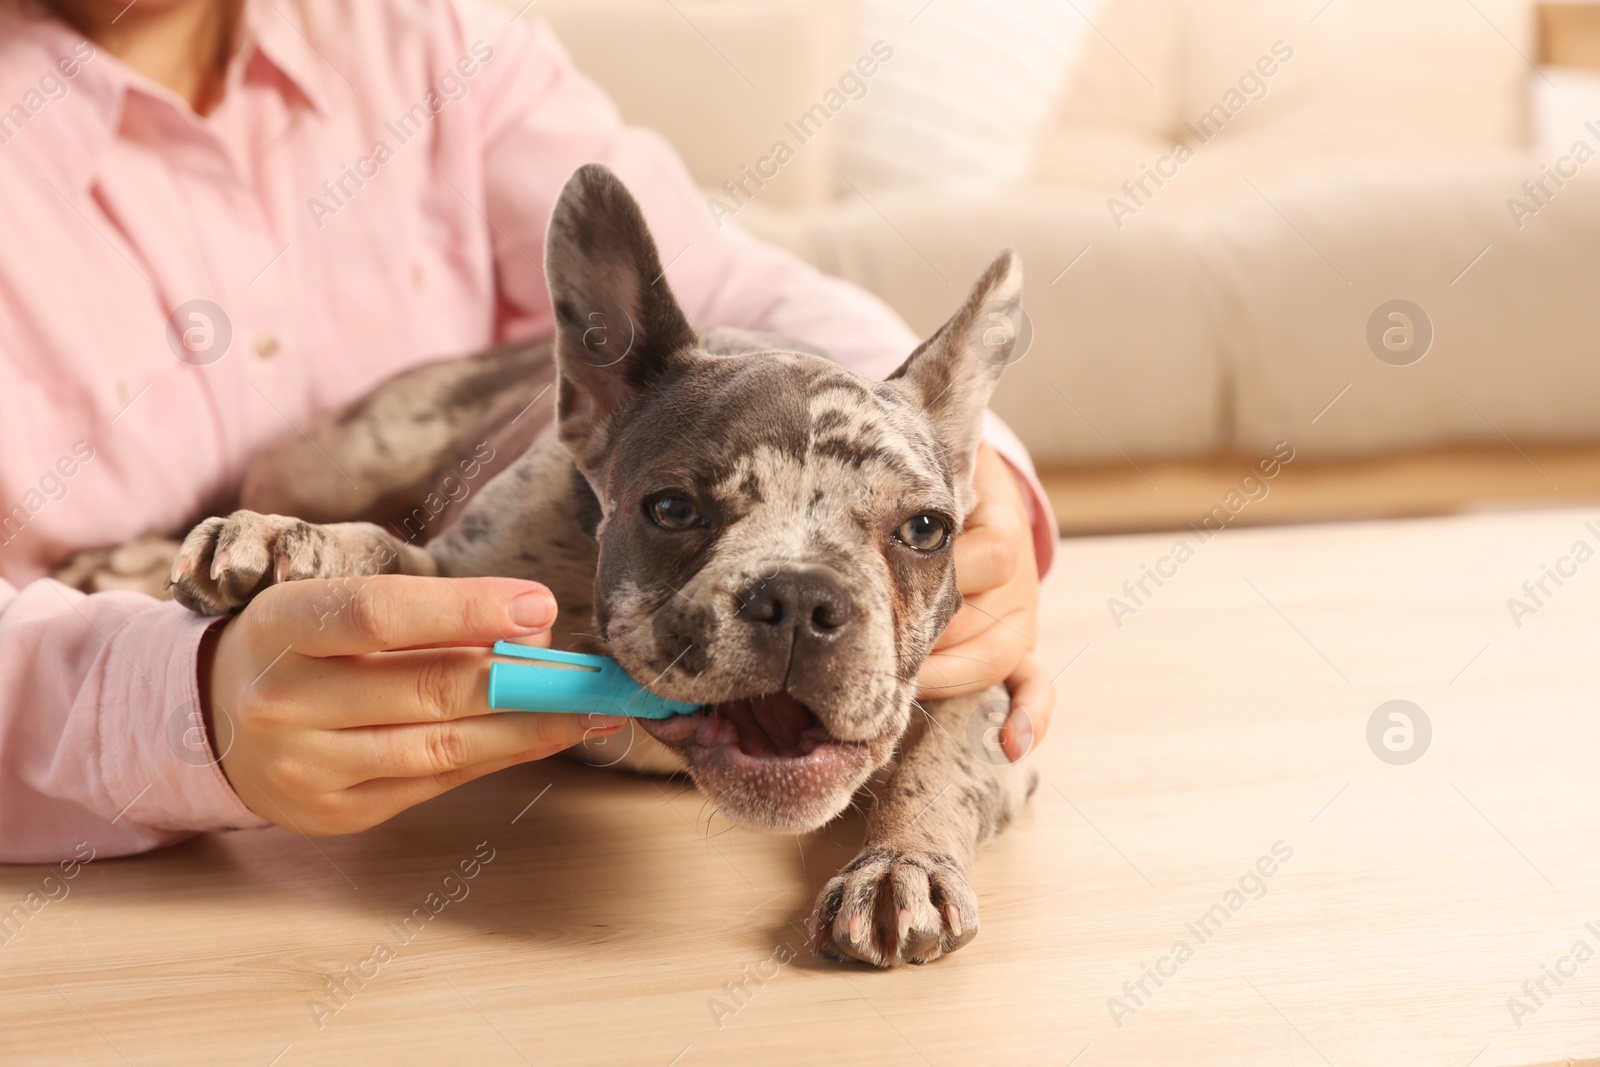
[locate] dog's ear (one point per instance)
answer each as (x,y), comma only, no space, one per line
(619,330)
(952,374)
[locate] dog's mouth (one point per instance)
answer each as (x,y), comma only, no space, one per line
(769,761)
(772,726)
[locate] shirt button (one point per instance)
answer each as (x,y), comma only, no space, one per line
(266,347)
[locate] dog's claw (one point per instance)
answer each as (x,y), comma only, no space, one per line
(226,560)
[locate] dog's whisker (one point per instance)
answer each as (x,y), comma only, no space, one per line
(931,719)
(996,680)
(998,619)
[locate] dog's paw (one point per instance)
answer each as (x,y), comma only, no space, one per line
(226,561)
(893,906)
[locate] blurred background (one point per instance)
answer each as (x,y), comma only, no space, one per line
(1360,234)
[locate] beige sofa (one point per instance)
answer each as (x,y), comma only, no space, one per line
(1225,308)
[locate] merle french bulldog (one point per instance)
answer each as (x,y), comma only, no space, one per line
(746,525)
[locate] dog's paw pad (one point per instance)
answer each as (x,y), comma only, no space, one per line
(893,906)
(226,561)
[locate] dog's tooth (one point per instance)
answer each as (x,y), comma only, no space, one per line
(219,563)
(955,919)
(280,567)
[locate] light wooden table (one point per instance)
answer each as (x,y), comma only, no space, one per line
(1228,714)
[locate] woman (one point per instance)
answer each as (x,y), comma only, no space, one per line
(328,194)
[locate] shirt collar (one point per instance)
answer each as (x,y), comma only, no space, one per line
(278,33)
(77,128)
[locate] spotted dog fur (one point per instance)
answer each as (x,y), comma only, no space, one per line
(790,606)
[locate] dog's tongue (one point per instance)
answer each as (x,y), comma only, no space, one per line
(770,725)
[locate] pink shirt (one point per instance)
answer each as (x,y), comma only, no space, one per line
(371,194)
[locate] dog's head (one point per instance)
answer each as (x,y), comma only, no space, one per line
(775,532)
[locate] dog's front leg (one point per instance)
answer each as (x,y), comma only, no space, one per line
(224,562)
(908,896)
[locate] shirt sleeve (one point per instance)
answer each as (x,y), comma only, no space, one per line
(101,738)
(542,120)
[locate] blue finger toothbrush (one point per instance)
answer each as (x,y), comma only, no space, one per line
(572,682)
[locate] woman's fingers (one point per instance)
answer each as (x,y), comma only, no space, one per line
(347,617)
(986,556)
(989,551)
(442,749)
(956,670)
(379,799)
(996,574)
(427,685)
(981,646)
(967,624)
(333,684)
(1033,702)
(946,676)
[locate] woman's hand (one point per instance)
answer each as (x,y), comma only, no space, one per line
(330,724)
(992,636)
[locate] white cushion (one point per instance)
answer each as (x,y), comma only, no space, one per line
(970,86)
(718,78)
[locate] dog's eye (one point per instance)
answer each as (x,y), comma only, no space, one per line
(674,512)
(925,533)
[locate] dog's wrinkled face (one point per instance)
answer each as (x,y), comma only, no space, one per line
(776,532)
(783,555)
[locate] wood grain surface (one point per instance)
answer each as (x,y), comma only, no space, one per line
(1226,717)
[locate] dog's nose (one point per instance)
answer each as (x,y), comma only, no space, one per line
(809,603)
